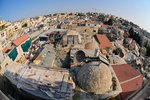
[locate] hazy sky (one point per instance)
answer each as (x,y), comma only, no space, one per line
(137,11)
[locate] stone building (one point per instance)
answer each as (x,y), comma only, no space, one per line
(82,29)
(71,38)
(92,24)
(2,23)
(95,79)
(3,40)
(22,44)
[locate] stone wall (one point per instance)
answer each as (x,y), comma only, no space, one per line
(82,29)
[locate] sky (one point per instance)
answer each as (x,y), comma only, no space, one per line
(137,11)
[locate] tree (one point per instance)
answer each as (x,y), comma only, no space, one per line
(24,25)
(2,27)
(109,22)
(59,26)
(131,32)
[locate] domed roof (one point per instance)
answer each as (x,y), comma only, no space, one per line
(95,78)
(89,45)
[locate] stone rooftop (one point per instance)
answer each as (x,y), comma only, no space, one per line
(48,53)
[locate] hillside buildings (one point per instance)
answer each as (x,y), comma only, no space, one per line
(61,56)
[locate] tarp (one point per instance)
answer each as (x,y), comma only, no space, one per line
(13,54)
(26,45)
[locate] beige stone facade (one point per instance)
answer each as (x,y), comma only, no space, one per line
(82,29)
(2,22)
(3,40)
(5,63)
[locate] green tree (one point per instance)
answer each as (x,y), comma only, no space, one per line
(24,25)
(2,27)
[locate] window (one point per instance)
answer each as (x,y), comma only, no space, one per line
(94,30)
(2,35)
(70,39)
(8,50)
(6,64)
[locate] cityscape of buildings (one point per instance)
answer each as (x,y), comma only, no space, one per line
(74,56)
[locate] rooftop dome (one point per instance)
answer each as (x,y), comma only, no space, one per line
(92,44)
(95,78)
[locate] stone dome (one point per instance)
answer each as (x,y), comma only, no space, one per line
(89,45)
(92,45)
(95,78)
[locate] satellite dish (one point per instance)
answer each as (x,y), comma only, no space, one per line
(79,56)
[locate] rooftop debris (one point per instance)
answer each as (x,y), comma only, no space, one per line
(56,83)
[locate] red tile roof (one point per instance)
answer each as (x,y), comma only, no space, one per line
(109,26)
(13,22)
(7,49)
(91,22)
(130,87)
(20,40)
(104,41)
(74,22)
(130,79)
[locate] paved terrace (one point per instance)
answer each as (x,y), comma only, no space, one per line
(47,83)
(48,53)
(35,35)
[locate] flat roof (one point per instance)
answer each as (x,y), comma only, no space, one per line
(35,78)
(43,34)
(49,55)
